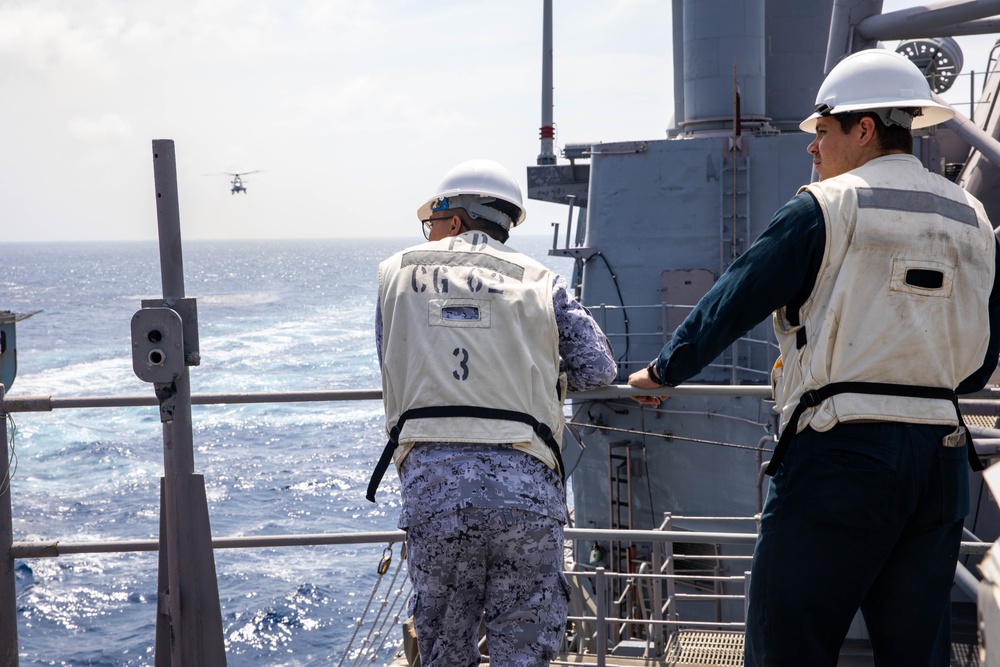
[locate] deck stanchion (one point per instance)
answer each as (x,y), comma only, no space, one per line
(601,588)
(8,593)
(189,625)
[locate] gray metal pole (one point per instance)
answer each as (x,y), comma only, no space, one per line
(677,19)
(844,37)
(600,587)
(168,219)
(974,136)
(178,446)
(916,21)
(986,26)
(178,459)
(838,42)
(8,591)
(547,154)
(190,632)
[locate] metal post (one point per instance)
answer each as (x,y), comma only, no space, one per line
(547,131)
(746,596)
(8,592)
(656,630)
(601,586)
(839,41)
(677,21)
(570,199)
(189,623)
(668,526)
(918,21)
(980,140)
(972,96)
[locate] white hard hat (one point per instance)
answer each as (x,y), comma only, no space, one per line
(474,186)
(881,81)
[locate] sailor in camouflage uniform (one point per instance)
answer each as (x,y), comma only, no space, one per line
(478,345)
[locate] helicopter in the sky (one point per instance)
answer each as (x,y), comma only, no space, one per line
(237,182)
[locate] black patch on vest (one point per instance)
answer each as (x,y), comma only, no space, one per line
(924,278)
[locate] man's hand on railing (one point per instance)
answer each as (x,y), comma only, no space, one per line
(642,380)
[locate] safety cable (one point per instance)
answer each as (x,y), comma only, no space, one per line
(579,440)
(368,605)
(11,459)
(670,436)
(621,300)
(393,609)
(645,462)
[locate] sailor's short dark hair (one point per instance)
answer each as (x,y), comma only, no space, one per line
(488,227)
(890,137)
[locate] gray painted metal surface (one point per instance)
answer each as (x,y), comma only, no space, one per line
(547,154)
(716,61)
(924,20)
(189,616)
(665,217)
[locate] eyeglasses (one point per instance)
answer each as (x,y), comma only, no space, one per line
(428,224)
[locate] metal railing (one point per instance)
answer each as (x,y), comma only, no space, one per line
(597,625)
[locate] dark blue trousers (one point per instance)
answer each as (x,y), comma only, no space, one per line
(864,516)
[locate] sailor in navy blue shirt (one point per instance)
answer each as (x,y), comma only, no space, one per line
(866,506)
(778,270)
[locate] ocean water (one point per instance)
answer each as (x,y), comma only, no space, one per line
(273,316)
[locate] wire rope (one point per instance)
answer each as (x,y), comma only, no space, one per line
(393,610)
(669,436)
(11,459)
(368,605)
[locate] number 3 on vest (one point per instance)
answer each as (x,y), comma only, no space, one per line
(463,364)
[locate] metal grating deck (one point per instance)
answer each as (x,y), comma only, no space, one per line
(697,648)
(986,421)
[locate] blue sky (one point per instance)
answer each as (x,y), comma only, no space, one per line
(350,109)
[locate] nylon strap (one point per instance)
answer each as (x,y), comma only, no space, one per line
(814,397)
(543,431)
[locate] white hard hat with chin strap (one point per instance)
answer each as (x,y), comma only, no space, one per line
(883,82)
(477,186)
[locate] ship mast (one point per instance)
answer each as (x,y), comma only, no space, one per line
(547,131)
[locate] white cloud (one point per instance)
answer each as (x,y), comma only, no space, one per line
(43,38)
(92,130)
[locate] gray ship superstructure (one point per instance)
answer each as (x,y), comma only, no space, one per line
(655,222)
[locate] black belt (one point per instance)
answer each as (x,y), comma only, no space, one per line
(543,431)
(814,397)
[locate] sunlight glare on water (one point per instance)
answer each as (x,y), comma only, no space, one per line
(274,316)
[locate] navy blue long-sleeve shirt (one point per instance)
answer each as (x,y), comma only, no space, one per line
(779,269)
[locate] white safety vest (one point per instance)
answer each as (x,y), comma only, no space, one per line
(467,321)
(901,296)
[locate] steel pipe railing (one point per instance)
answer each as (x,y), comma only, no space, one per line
(48,403)
(53,548)
(985,402)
